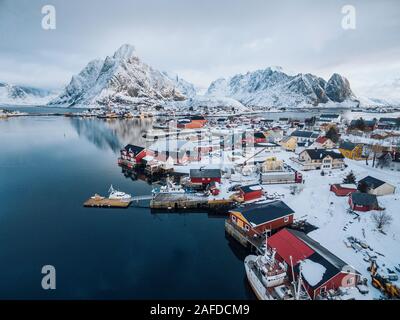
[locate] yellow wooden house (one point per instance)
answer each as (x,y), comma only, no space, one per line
(289,143)
(351,150)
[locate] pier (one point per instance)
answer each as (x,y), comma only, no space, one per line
(188,201)
(253,243)
(106,203)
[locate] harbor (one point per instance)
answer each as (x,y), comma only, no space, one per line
(255,194)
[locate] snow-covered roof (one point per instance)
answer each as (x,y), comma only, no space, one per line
(312,272)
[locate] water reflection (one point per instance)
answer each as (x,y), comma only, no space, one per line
(112,134)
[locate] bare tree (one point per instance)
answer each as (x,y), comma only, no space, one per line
(376,148)
(382,219)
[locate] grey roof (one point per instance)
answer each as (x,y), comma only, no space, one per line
(205,173)
(302,134)
(347,145)
(329,116)
(372,182)
(364,199)
(262,213)
(366,122)
(390,120)
(316,154)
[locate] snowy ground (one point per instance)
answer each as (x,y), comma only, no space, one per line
(329,213)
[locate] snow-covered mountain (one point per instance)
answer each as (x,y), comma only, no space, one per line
(381,94)
(186,88)
(274,88)
(122,79)
(23,95)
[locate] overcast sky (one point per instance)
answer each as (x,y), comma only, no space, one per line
(203,40)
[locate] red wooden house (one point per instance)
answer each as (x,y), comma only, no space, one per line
(256,137)
(257,219)
(363,202)
(321,269)
(343,190)
(205,176)
(251,192)
(132,155)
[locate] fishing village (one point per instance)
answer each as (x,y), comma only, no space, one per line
(313,201)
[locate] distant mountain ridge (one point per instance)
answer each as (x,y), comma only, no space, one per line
(123,79)
(23,95)
(273,87)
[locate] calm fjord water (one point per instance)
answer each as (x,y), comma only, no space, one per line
(48,167)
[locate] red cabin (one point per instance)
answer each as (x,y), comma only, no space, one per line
(343,190)
(321,269)
(363,202)
(251,192)
(205,176)
(132,155)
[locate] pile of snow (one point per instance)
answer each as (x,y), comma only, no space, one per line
(312,272)
(348,186)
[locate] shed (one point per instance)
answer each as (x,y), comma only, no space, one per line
(343,190)
(377,187)
(251,192)
(363,202)
(205,176)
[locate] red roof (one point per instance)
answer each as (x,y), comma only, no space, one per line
(286,245)
(321,140)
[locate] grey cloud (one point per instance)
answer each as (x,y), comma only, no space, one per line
(202,40)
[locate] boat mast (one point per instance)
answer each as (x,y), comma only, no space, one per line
(294,279)
(299,282)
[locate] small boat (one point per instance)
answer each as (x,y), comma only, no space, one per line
(97,197)
(119,195)
(170,187)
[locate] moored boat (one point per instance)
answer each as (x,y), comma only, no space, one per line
(119,195)
(269,279)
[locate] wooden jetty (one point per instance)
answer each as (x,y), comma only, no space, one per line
(253,243)
(100,202)
(178,201)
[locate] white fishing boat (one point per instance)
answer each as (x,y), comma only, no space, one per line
(269,278)
(171,188)
(118,195)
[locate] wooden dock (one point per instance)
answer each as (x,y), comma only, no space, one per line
(106,203)
(188,201)
(252,243)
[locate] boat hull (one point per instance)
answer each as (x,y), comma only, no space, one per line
(255,283)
